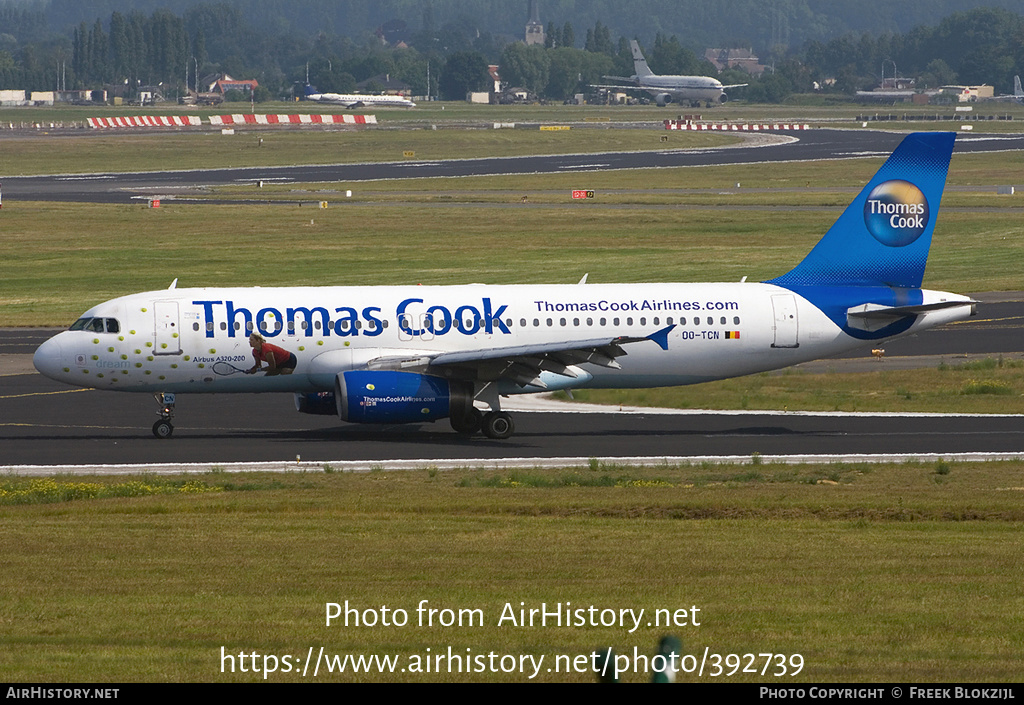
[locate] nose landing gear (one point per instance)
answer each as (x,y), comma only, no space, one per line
(163,427)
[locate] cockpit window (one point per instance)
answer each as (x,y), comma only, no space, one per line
(97,325)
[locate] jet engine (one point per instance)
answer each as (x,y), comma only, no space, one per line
(387,396)
(319,403)
(364,396)
(663,99)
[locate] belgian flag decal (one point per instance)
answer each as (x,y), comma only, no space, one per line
(732,335)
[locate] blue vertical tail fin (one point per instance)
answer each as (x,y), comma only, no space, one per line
(883,236)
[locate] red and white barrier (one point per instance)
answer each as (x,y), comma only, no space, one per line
(732,127)
(244,119)
(231,120)
(146,121)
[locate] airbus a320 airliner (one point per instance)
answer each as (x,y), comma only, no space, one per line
(408,354)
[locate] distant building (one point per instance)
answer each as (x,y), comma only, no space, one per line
(13,97)
(969,94)
(897,83)
(492,74)
(383,83)
(221,83)
(224,85)
(735,58)
(534,29)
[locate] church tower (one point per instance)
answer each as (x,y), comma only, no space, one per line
(534,29)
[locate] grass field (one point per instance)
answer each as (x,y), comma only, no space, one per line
(988,386)
(902,573)
(99,152)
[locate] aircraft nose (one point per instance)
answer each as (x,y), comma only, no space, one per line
(47,359)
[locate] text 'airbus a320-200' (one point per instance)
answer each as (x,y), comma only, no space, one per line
(410,354)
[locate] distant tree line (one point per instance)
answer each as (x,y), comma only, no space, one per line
(984,45)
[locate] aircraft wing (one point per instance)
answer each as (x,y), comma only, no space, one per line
(736,85)
(614,87)
(523,364)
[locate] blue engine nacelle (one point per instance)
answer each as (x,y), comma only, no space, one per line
(386,396)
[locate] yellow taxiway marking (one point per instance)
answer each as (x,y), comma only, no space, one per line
(43,394)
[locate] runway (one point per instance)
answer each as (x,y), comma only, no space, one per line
(47,423)
(803,146)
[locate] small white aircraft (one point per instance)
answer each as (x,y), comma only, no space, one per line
(396,354)
(670,89)
(358,100)
(1018,93)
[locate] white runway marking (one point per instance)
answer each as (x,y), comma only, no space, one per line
(490,463)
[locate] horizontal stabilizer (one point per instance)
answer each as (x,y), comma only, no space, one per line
(872,317)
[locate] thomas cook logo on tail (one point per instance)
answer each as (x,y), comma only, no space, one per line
(896,213)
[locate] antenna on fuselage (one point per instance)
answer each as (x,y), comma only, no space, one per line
(174,284)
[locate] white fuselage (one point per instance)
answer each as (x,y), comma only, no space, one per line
(170,340)
(358,99)
(683,88)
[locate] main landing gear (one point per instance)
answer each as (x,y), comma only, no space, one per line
(494,424)
(163,427)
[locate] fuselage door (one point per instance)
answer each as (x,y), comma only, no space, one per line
(787,325)
(168,328)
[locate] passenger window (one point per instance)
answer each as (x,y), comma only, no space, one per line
(723,320)
(629,321)
(643,321)
(668,321)
(536,323)
(575,321)
(195,326)
(736,320)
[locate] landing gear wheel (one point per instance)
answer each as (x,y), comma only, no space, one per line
(163,429)
(469,424)
(498,425)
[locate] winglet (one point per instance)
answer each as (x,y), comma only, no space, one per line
(661,336)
